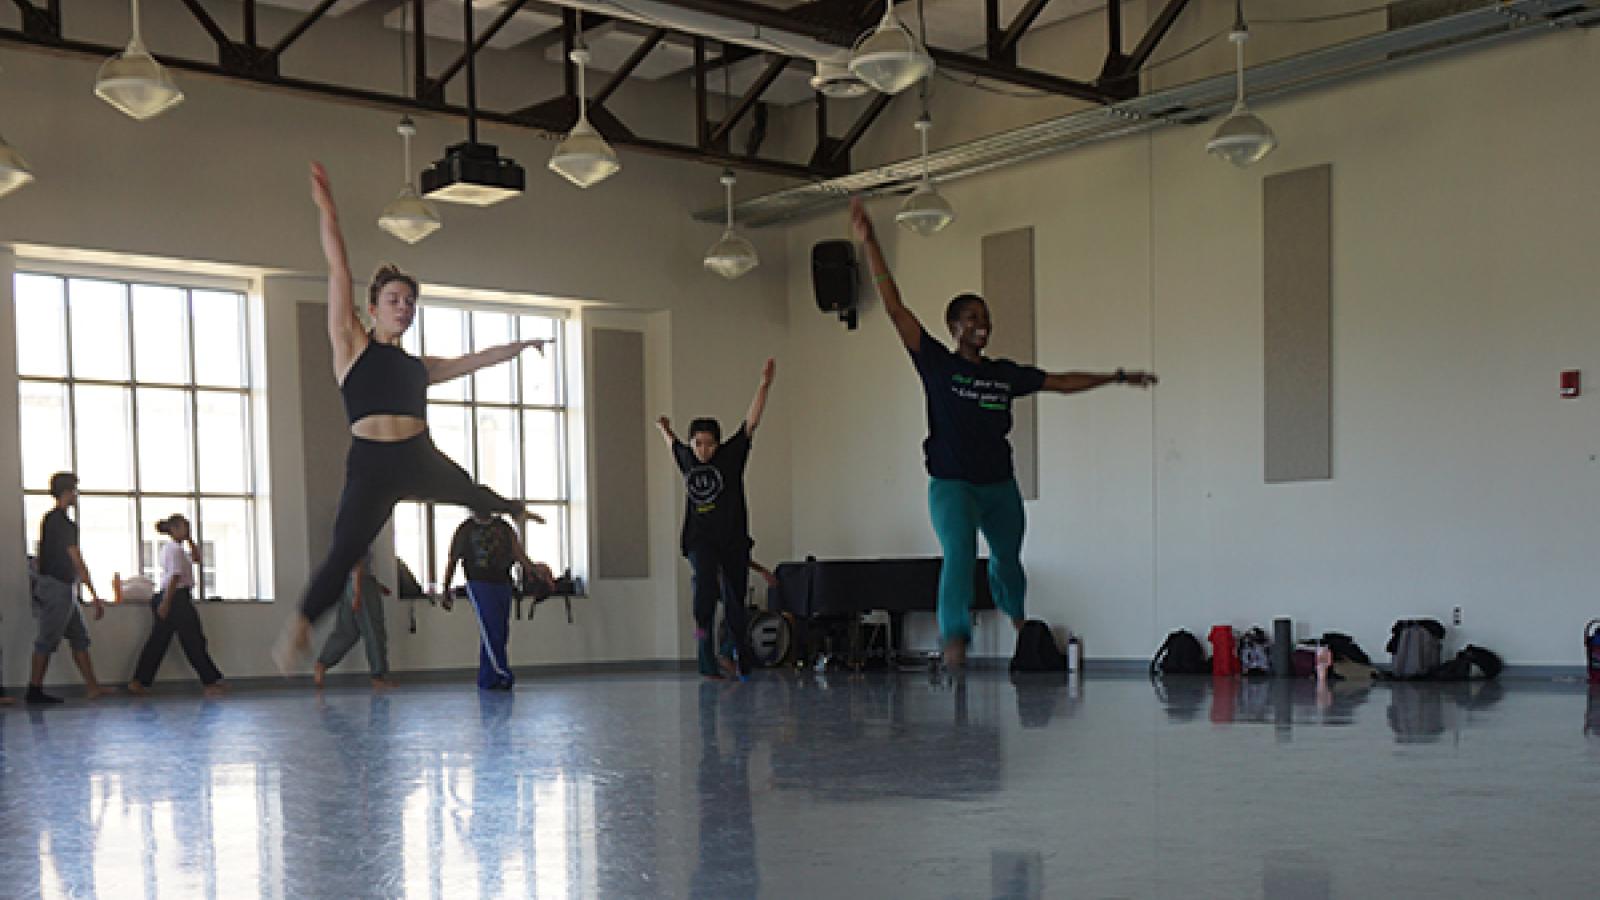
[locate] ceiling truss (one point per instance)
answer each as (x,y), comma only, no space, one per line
(245,56)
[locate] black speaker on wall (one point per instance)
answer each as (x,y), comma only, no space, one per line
(834,278)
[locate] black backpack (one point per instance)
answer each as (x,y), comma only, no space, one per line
(1037,650)
(1180,654)
(1472,662)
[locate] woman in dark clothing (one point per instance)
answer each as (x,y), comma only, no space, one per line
(385,392)
(972,487)
(175,613)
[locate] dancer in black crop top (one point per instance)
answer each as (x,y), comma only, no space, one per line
(385,392)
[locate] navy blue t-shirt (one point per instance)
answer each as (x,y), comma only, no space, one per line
(969,411)
(714,513)
(57,535)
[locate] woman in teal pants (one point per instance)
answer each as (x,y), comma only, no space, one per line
(972,487)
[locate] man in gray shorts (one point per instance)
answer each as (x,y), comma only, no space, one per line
(55,593)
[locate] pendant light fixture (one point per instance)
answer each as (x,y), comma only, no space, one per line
(925,211)
(409,217)
(1242,138)
(472,173)
(732,255)
(583,157)
(133,82)
(888,58)
(14,170)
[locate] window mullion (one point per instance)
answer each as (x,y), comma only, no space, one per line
(133,423)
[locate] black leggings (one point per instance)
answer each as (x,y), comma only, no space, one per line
(184,622)
(377,475)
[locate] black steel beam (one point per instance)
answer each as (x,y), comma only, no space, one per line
(1020,25)
(208,23)
(250,22)
(700,92)
(774,68)
(879,102)
(43,24)
(627,67)
(1031,78)
(300,28)
(380,100)
(478,42)
(419,34)
(1152,37)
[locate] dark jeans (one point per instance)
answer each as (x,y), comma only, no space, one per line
(184,622)
(377,475)
(720,573)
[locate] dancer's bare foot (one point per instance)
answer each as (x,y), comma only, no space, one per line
(955,654)
(137,689)
(215,689)
(730,669)
(318,673)
(384,684)
(96,691)
(293,644)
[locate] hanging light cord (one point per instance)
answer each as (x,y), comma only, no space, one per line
(137,37)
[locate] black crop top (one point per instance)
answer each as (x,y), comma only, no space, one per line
(385,380)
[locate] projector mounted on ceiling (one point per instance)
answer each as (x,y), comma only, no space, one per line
(474,174)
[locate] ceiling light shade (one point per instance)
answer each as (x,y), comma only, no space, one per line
(583,157)
(14,170)
(134,83)
(925,211)
(834,79)
(1242,138)
(888,58)
(732,255)
(409,217)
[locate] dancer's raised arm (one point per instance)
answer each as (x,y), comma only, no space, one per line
(905,321)
(345,334)
(758,404)
(1077,382)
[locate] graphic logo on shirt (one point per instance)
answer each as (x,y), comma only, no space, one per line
(704,484)
(985,392)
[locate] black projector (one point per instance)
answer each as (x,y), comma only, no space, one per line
(473,173)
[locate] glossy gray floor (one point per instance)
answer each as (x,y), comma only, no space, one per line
(660,785)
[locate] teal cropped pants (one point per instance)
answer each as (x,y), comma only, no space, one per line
(960,509)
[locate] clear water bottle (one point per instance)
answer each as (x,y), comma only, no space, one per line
(1074,654)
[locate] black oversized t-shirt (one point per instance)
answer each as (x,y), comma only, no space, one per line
(969,411)
(486,551)
(714,512)
(57,535)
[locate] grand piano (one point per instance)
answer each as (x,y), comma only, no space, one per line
(827,598)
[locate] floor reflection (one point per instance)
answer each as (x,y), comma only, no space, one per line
(659,785)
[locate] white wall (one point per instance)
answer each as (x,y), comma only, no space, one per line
(1463,284)
(223,178)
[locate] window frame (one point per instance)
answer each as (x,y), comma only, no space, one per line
(564,327)
(249,393)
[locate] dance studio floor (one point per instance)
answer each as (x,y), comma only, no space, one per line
(883,786)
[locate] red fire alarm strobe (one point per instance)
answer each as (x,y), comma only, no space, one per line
(1570,383)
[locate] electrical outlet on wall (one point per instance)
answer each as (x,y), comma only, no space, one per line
(1455,617)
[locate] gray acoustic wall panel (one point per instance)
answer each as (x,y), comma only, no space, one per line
(1297,290)
(1008,289)
(622,534)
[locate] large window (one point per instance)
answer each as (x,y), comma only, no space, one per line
(144,390)
(506,425)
